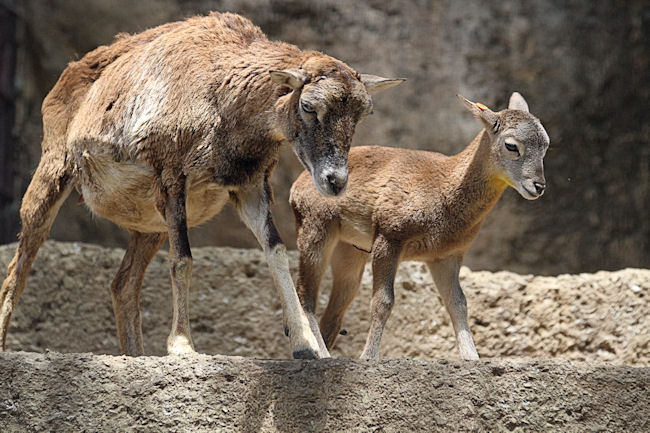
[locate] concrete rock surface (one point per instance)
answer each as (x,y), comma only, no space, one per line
(99,393)
(234,309)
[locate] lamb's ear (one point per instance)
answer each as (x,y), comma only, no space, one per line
(374,83)
(292,78)
(517,102)
(488,118)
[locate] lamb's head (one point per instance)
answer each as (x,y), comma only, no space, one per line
(325,102)
(519,144)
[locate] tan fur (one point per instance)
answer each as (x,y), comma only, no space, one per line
(411,205)
(159,129)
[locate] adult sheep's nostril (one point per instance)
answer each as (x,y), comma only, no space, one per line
(539,187)
(334,183)
(337,182)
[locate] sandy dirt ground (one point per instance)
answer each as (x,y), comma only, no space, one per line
(234,309)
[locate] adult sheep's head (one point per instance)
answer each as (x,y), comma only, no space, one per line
(325,102)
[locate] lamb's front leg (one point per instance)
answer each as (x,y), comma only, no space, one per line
(253,205)
(445,275)
(385,258)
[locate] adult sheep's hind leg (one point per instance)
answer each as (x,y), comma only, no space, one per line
(126,287)
(172,206)
(253,207)
(50,186)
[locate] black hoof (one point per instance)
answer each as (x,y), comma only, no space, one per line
(343,332)
(304,354)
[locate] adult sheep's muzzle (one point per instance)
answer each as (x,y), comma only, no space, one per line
(331,181)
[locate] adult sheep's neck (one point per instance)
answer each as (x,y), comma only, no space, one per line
(479,184)
(257,95)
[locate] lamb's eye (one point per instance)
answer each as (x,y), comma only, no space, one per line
(307,107)
(512,148)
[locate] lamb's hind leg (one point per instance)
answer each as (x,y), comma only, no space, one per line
(172,206)
(253,205)
(47,191)
(445,275)
(126,287)
(347,269)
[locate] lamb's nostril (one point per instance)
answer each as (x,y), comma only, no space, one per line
(539,187)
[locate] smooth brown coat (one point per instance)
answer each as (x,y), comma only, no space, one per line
(412,205)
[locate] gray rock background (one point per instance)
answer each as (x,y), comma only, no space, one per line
(582,65)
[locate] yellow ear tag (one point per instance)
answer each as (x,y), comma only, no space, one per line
(481,106)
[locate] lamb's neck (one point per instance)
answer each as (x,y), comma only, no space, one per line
(479,184)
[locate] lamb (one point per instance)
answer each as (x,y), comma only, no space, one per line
(412,205)
(160,129)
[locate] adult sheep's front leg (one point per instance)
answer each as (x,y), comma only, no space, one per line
(172,206)
(253,205)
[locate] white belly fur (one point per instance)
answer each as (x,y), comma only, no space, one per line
(123,193)
(357,233)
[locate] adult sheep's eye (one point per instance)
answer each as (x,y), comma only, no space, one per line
(512,148)
(307,107)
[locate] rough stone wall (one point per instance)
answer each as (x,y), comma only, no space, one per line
(582,65)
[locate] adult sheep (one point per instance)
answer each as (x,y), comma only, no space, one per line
(158,130)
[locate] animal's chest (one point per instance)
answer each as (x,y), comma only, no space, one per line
(440,233)
(125,193)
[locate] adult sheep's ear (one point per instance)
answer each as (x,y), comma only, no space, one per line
(374,83)
(517,102)
(292,78)
(488,118)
